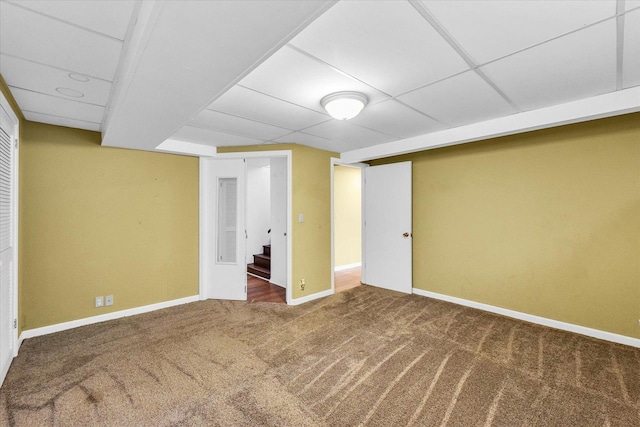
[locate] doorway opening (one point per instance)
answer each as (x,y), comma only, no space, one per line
(347,225)
(266,208)
(223,276)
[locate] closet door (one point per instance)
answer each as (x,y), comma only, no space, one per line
(7,315)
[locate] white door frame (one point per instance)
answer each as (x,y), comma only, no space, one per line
(362,166)
(15,167)
(206,223)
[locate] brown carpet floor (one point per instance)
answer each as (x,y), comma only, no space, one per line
(363,357)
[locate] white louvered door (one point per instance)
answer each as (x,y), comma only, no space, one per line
(7,341)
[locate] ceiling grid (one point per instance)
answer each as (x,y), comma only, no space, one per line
(426,66)
(460,50)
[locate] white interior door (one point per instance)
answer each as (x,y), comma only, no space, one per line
(279,213)
(387,227)
(223,252)
(7,232)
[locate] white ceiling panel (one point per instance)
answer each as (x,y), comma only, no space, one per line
(631,58)
(462,99)
(294,77)
(631,4)
(41,78)
(61,121)
(250,72)
(316,142)
(106,17)
(50,41)
(393,118)
(226,123)
(378,41)
(247,103)
(54,106)
(350,133)
(196,51)
(211,138)
(560,71)
(488,30)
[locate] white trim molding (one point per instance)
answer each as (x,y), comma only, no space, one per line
(597,107)
(175,146)
(58,327)
(347,266)
(556,324)
(302,300)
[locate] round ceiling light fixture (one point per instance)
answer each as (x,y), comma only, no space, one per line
(69,92)
(344,105)
(78,77)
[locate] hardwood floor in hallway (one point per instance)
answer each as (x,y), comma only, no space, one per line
(347,279)
(260,290)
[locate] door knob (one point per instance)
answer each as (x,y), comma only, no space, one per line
(405,234)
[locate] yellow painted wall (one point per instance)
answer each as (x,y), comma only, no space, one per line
(99,221)
(546,223)
(311,195)
(347,215)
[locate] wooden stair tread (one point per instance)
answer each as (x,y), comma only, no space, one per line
(259,271)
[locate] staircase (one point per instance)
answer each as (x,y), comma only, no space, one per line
(261,263)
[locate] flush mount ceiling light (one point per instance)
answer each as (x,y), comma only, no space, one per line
(69,92)
(78,77)
(344,105)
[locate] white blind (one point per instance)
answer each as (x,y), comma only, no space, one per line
(5,189)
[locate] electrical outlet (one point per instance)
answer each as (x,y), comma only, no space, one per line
(108,300)
(302,284)
(99,302)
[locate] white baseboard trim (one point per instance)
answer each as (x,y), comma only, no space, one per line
(347,266)
(302,300)
(258,277)
(570,327)
(45,330)
(277,284)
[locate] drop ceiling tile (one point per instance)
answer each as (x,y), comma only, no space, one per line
(41,78)
(61,121)
(488,30)
(631,4)
(226,123)
(459,100)
(386,44)
(296,78)
(106,17)
(54,106)
(316,142)
(560,71)
(631,58)
(342,130)
(393,118)
(211,138)
(55,43)
(247,103)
